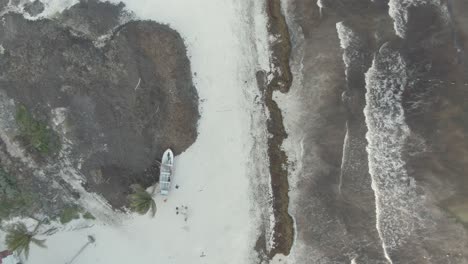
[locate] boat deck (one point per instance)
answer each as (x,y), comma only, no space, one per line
(166,172)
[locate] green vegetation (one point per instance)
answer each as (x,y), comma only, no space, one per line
(142,202)
(459,209)
(12,200)
(70,213)
(35,134)
(74,212)
(7,184)
(17,205)
(19,239)
(89,216)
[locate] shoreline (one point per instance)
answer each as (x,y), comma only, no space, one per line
(279,78)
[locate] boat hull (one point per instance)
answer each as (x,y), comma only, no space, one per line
(166,172)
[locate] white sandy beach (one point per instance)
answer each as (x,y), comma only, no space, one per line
(215,174)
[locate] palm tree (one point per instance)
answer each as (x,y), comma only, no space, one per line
(19,239)
(141,201)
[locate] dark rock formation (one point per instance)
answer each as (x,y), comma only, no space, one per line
(283,229)
(34,8)
(92,18)
(123,102)
(3,3)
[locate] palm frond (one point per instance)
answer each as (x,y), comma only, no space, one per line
(19,227)
(18,239)
(153,208)
(39,242)
(26,251)
(142,202)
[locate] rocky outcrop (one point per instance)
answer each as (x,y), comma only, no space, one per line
(278,79)
(34,8)
(93,18)
(3,4)
(116,104)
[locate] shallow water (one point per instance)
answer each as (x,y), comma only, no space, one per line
(378,88)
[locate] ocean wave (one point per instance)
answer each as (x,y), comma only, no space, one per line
(348,42)
(395,191)
(398,10)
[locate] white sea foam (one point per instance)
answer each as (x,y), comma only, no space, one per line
(343,158)
(320,5)
(396,198)
(54,7)
(398,10)
(346,35)
(349,41)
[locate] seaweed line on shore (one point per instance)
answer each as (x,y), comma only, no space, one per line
(279,78)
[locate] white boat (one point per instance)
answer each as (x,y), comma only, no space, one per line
(167,166)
